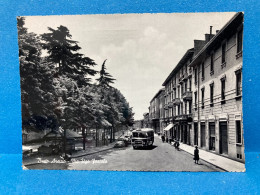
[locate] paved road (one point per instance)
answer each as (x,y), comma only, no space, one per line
(161,157)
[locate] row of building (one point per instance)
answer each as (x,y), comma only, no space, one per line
(201,99)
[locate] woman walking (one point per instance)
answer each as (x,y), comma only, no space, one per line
(196,155)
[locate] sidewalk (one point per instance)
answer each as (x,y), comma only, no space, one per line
(93,150)
(38,159)
(217,160)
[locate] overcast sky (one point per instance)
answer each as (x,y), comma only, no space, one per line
(141,49)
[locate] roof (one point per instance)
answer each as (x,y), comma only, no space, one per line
(59,134)
(157,94)
(229,28)
(143,129)
(187,55)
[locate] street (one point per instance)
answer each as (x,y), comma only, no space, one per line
(160,157)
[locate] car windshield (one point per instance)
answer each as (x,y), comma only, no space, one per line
(139,134)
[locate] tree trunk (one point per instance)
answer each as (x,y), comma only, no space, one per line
(84,138)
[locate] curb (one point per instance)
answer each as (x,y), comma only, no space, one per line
(91,153)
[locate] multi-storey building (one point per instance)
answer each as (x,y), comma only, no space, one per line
(178,99)
(217,93)
(156,113)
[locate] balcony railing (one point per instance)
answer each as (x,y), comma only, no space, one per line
(176,101)
(183,117)
(166,106)
(170,104)
(187,95)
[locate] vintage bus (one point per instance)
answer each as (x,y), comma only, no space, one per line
(142,138)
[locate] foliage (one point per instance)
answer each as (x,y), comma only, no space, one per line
(56,89)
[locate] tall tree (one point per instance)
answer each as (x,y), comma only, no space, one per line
(64,52)
(37,91)
(105,78)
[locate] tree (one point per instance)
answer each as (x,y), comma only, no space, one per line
(105,78)
(64,52)
(37,90)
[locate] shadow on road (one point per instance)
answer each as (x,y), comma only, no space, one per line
(147,148)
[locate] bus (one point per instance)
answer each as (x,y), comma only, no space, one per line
(142,138)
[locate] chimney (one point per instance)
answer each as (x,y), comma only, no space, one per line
(209,36)
(210,31)
(198,45)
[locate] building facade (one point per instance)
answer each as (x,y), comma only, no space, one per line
(217,93)
(156,113)
(202,102)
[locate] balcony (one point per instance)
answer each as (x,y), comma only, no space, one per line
(187,96)
(176,101)
(170,104)
(183,117)
(185,76)
(166,106)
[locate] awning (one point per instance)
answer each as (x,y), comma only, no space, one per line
(168,127)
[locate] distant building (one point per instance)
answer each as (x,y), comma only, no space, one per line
(156,113)
(146,121)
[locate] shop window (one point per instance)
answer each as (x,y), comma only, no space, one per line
(239,132)
(212,136)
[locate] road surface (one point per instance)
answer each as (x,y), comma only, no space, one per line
(160,157)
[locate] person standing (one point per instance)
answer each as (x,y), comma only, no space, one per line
(196,155)
(163,138)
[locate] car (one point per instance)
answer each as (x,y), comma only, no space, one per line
(120,144)
(128,139)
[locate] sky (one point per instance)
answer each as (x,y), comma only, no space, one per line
(141,49)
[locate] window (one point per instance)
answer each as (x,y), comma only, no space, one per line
(190,106)
(223,59)
(239,132)
(185,109)
(202,71)
(190,84)
(223,85)
(195,75)
(195,103)
(178,91)
(238,83)
(239,41)
(212,64)
(211,94)
(202,97)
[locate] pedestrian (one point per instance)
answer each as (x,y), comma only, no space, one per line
(163,138)
(196,155)
(177,144)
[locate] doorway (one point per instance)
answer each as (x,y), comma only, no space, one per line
(223,137)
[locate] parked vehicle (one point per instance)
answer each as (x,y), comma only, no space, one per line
(120,144)
(128,139)
(142,138)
